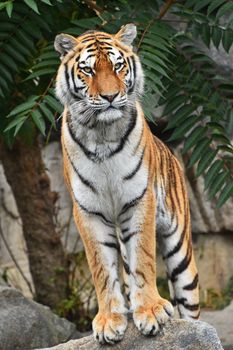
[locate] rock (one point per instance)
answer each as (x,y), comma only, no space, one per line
(222,320)
(25,324)
(176,335)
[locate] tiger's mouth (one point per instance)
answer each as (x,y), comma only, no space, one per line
(87,112)
(115,105)
(110,115)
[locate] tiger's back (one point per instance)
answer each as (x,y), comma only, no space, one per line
(125,185)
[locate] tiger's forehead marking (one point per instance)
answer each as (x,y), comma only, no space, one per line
(89,55)
(92,35)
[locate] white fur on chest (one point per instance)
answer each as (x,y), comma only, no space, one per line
(113,191)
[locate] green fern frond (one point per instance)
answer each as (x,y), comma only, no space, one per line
(197,112)
(38,109)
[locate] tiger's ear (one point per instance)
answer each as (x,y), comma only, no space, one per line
(64,43)
(127,34)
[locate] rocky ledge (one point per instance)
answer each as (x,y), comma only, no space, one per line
(176,335)
(27,325)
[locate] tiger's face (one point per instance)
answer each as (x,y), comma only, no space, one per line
(99,75)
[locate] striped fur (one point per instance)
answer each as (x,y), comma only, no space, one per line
(125,185)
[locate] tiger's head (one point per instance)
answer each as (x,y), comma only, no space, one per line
(100,75)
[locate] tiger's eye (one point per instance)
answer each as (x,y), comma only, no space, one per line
(87,70)
(118,65)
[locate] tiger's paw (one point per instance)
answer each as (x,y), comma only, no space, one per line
(109,328)
(149,318)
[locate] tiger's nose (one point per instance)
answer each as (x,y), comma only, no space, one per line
(109,98)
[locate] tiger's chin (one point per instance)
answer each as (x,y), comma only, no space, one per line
(110,115)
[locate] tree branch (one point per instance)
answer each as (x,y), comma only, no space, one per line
(14,260)
(164,9)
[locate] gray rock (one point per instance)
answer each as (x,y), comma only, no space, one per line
(25,324)
(176,335)
(222,320)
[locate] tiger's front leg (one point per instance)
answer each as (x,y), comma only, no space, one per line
(138,234)
(102,248)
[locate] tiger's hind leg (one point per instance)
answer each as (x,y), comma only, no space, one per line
(182,272)
(178,252)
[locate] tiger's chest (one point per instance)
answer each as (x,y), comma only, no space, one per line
(107,186)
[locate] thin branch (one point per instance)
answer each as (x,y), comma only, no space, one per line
(97,9)
(43,95)
(164,9)
(14,260)
(92,5)
(4,206)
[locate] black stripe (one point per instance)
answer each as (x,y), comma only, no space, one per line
(77,58)
(125,220)
(76,89)
(193,284)
(172,232)
(67,76)
(130,235)
(173,302)
(125,230)
(91,50)
(178,245)
(130,128)
(90,45)
(106,45)
(140,273)
(138,166)
(133,75)
(126,267)
(88,39)
(111,245)
(133,202)
(134,66)
(105,284)
(97,213)
(72,76)
(84,181)
(91,55)
(90,155)
(103,37)
(197,316)
(181,267)
(191,307)
(116,280)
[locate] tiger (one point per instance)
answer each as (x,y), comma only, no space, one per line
(125,186)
